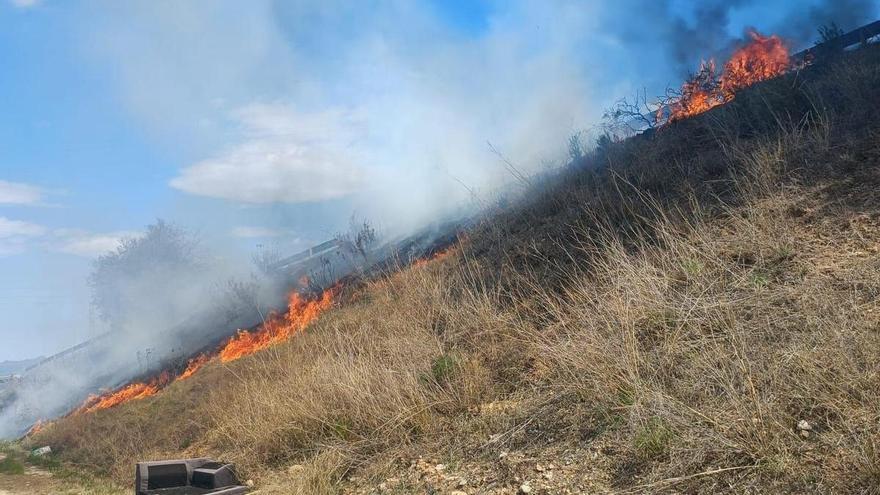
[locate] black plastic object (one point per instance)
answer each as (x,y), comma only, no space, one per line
(214,475)
(200,476)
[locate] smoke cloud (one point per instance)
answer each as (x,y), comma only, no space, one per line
(164,311)
(389,104)
(802,23)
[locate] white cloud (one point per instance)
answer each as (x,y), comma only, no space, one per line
(17,193)
(250,232)
(17,228)
(88,244)
(384,104)
(16,235)
(285,157)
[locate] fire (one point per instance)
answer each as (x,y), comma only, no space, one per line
(764,57)
(194,365)
(277,329)
(38,427)
(133,391)
(698,94)
(439,255)
(301,311)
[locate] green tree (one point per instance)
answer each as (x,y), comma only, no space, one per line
(143,272)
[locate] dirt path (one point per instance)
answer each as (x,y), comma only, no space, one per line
(37,481)
(33,482)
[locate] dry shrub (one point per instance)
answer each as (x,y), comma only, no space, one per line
(321,473)
(712,340)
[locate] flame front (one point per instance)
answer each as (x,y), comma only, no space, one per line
(276,329)
(439,255)
(38,427)
(764,57)
(132,391)
(194,365)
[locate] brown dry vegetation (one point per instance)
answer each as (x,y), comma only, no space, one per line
(662,321)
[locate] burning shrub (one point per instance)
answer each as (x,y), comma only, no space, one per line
(764,57)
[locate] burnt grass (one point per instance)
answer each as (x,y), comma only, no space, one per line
(693,310)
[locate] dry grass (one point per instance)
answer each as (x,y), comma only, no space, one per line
(686,304)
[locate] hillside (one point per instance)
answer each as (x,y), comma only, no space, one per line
(13,367)
(691,311)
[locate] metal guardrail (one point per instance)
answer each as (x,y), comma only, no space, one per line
(312,252)
(858,35)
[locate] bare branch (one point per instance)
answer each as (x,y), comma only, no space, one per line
(509,166)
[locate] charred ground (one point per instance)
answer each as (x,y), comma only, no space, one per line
(692,310)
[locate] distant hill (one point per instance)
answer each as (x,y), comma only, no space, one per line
(15,367)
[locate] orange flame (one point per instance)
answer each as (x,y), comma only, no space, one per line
(764,57)
(698,94)
(133,391)
(194,365)
(439,255)
(276,329)
(38,427)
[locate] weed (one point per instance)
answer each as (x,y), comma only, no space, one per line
(443,367)
(44,461)
(692,268)
(653,439)
(760,280)
(11,465)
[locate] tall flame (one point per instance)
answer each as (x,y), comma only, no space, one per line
(276,329)
(764,57)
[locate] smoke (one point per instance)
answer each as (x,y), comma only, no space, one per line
(388,106)
(802,24)
(168,297)
(703,34)
(383,106)
(715,28)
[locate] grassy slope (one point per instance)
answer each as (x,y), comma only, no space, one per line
(662,322)
(21,472)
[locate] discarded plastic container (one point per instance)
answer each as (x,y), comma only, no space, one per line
(200,476)
(40,452)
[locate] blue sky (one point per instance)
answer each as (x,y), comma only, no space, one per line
(271,122)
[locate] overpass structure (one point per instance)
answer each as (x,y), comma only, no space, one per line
(860,35)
